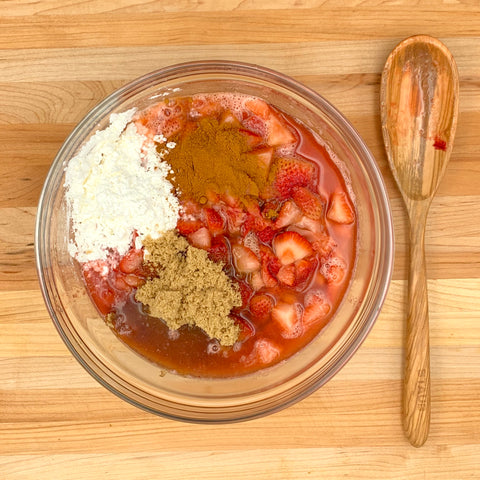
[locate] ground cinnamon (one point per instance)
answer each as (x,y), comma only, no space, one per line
(214,157)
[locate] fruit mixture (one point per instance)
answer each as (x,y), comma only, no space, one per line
(260,194)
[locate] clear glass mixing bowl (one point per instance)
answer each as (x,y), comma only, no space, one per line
(147,385)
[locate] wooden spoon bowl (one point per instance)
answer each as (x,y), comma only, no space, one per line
(419,108)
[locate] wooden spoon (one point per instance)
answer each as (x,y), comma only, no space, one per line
(419,106)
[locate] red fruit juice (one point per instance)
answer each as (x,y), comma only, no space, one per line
(301,230)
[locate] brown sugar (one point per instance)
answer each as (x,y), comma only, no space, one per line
(187,288)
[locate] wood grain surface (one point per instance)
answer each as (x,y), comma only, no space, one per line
(57,60)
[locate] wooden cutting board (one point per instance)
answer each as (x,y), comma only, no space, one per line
(57,60)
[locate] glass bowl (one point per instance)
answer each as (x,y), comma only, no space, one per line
(147,385)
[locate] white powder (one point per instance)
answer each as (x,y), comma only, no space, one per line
(117,185)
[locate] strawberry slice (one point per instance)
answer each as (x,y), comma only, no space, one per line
(132,261)
(252,139)
(258,107)
(316,309)
(264,156)
(287,174)
(228,118)
(270,266)
(291,246)
(261,305)
(186,226)
(214,221)
(200,238)
(340,210)
(235,219)
(266,235)
(256,281)
(309,202)
(278,133)
(333,270)
(323,244)
(287,275)
(266,351)
(289,214)
(304,269)
(246,328)
(287,316)
(244,259)
(245,292)
(219,251)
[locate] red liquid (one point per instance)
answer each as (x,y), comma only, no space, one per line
(263,341)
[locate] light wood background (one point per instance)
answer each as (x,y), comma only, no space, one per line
(57,60)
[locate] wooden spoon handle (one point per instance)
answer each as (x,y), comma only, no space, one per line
(416,393)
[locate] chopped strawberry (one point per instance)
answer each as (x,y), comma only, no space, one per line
(244,259)
(316,309)
(246,292)
(287,315)
(291,246)
(256,125)
(131,261)
(200,238)
(333,270)
(309,202)
(228,118)
(264,156)
(133,280)
(258,107)
(323,244)
(278,133)
(101,292)
(252,138)
(304,269)
(340,210)
(314,226)
(289,214)
(286,275)
(186,226)
(266,235)
(219,251)
(266,351)
(287,174)
(204,106)
(256,281)
(235,219)
(246,328)
(214,221)
(261,305)
(251,242)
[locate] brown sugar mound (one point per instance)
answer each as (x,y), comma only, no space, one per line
(188,288)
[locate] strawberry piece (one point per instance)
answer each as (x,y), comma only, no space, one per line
(289,214)
(235,219)
(316,309)
(186,226)
(258,107)
(100,291)
(314,226)
(266,235)
(219,251)
(214,221)
(200,239)
(264,156)
(286,275)
(270,266)
(246,292)
(251,242)
(246,328)
(340,210)
(205,107)
(309,202)
(256,125)
(266,351)
(288,174)
(261,305)
(256,281)
(287,316)
(133,280)
(333,270)
(252,139)
(304,269)
(323,244)
(132,261)
(228,118)
(291,246)
(278,133)
(244,259)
